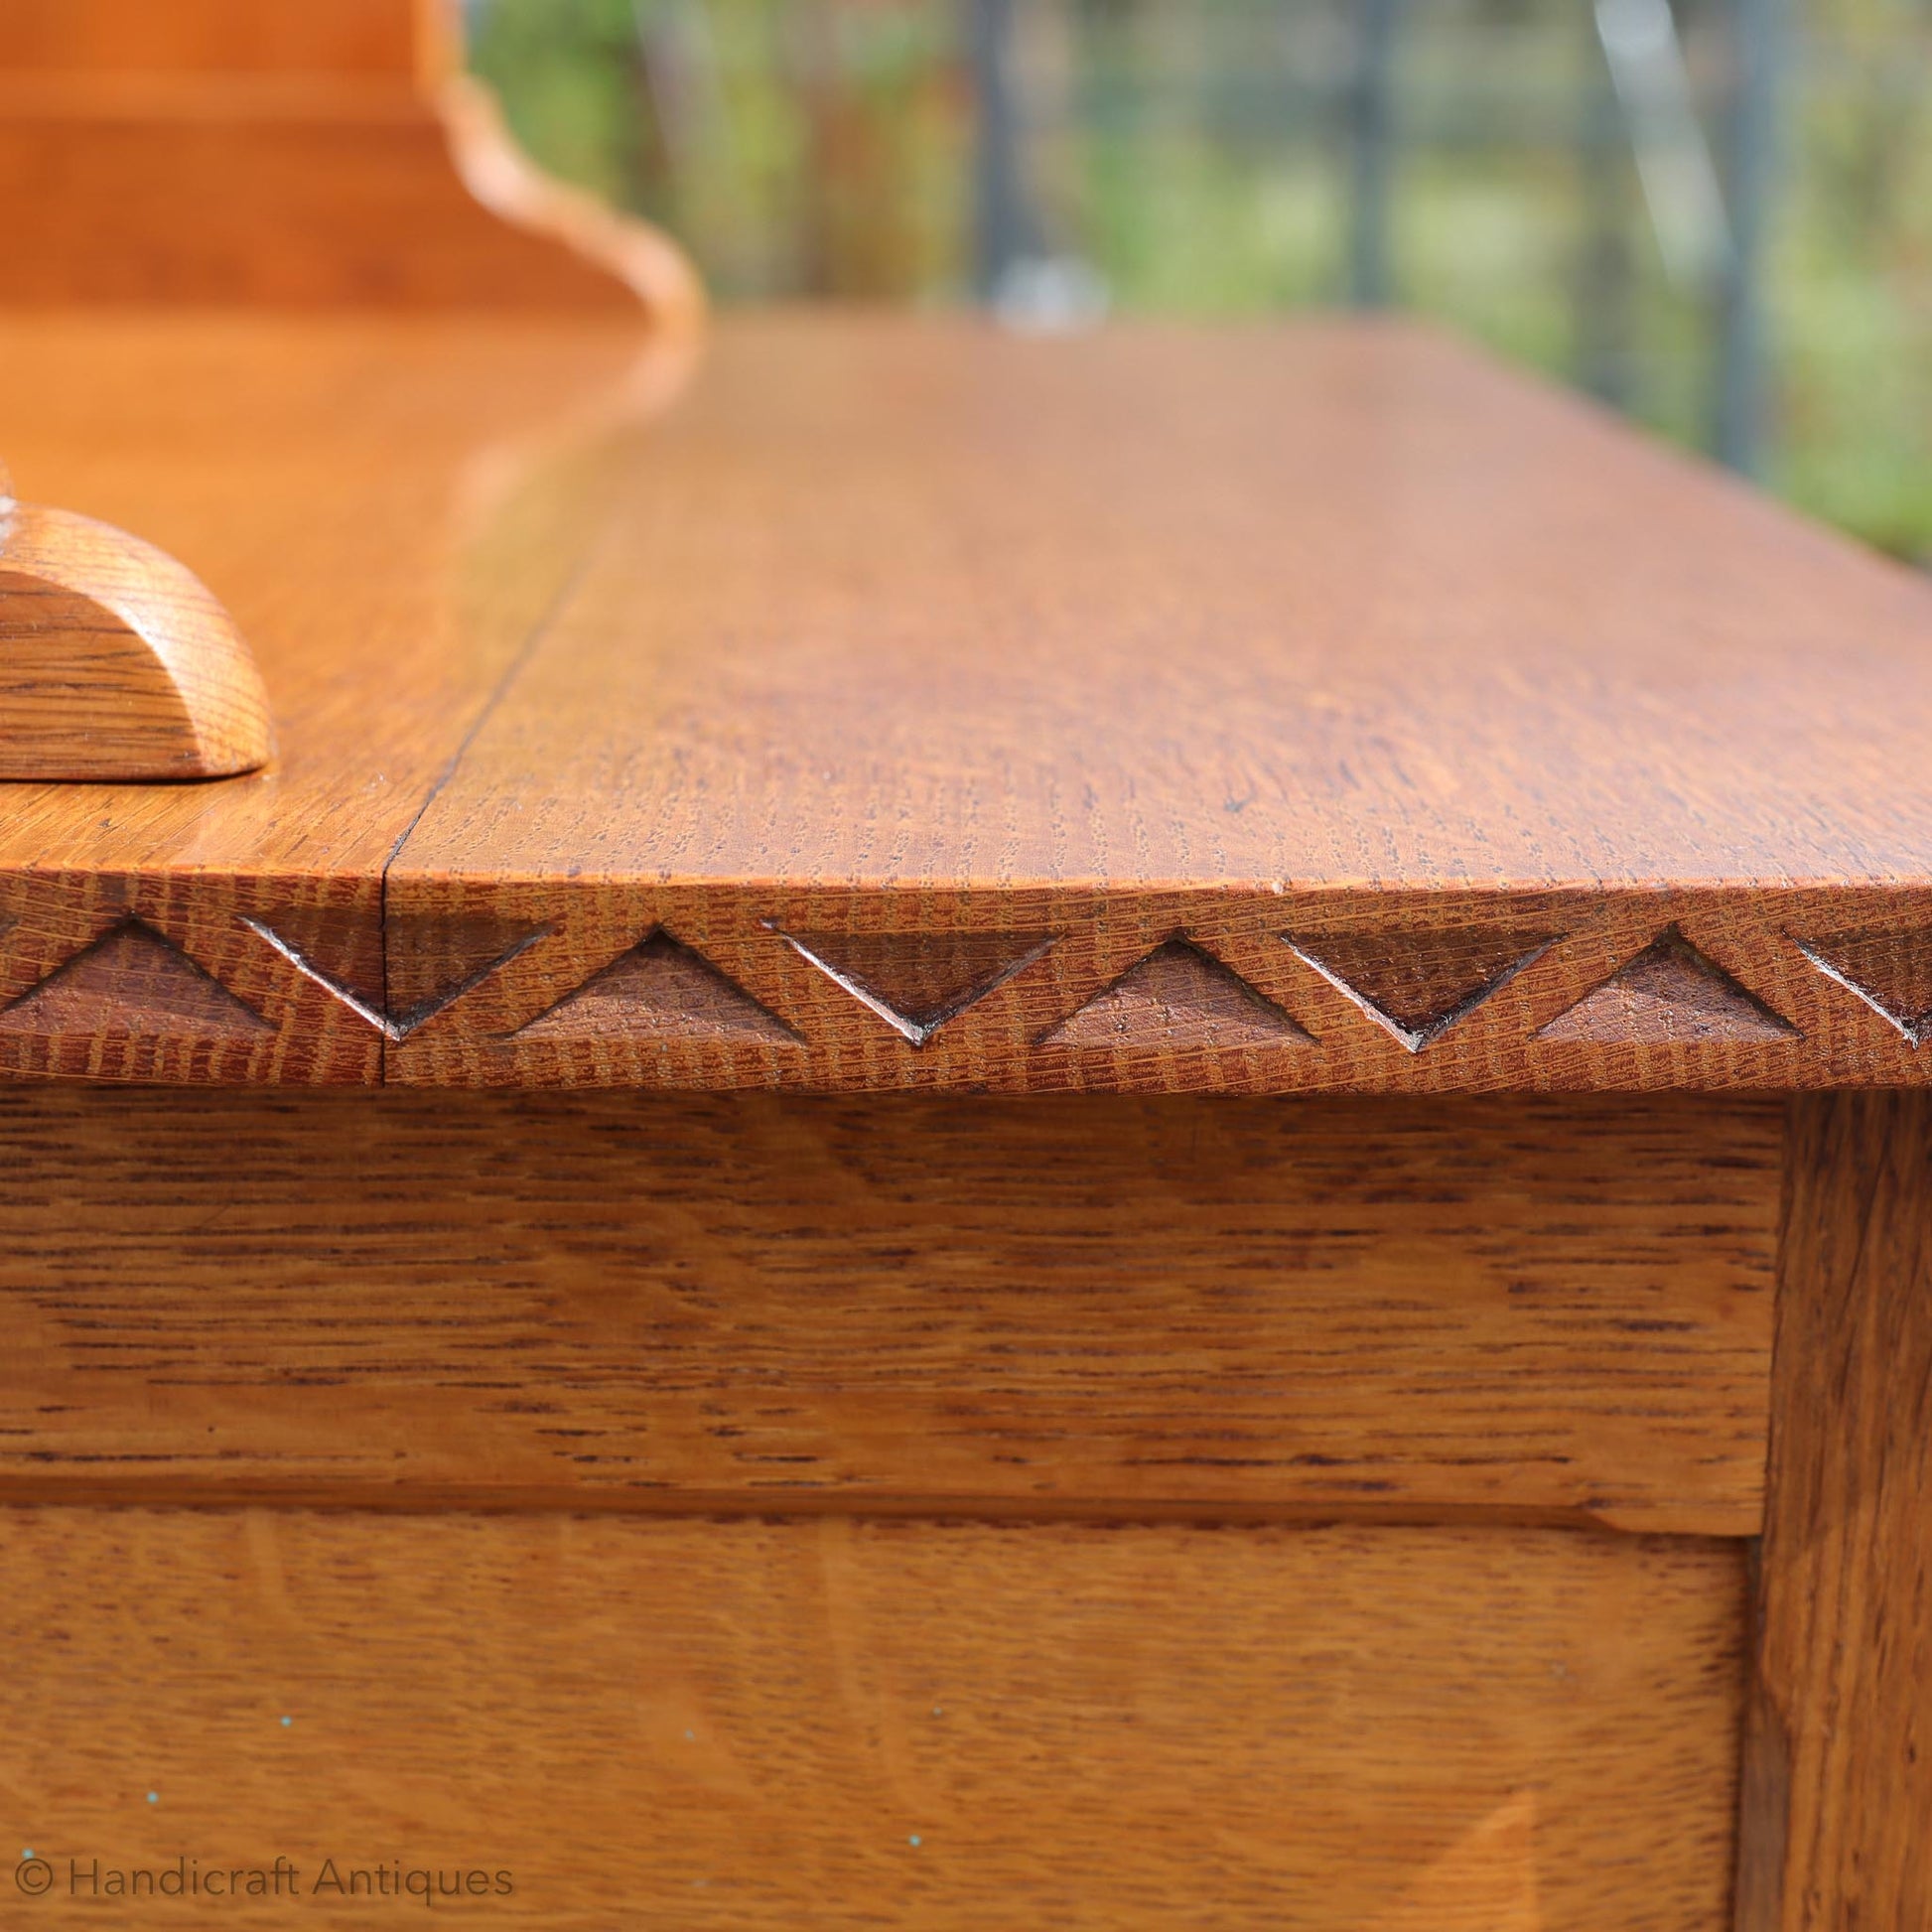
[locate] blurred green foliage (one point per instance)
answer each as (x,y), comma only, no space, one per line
(1196,153)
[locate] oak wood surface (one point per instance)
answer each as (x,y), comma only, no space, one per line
(687,1724)
(1272,710)
(115,662)
(1837,1810)
(1546,1310)
(1334,606)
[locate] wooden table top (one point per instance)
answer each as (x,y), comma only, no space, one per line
(898,702)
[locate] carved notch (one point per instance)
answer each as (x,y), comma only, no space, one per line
(917,981)
(1892,972)
(428,960)
(1417,985)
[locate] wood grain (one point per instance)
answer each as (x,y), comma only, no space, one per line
(689,1724)
(1355,698)
(233,151)
(1547,1310)
(1306,605)
(1837,1819)
(918,646)
(117,662)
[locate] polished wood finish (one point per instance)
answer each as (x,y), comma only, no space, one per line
(1552,1310)
(689,1723)
(115,662)
(1837,1814)
(284,153)
(916,707)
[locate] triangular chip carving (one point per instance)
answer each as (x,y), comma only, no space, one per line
(917,981)
(433,958)
(399,972)
(1177,998)
(660,990)
(133,983)
(339,948)
(1417,985)
(1892,972)
(1670,993)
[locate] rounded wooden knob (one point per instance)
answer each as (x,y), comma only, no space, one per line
(115,660)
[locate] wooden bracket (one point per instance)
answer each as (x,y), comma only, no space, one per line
(293,155)
(115,661)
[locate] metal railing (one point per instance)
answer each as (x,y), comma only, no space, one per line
(1710,200)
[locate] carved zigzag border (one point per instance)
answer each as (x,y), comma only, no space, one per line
(1040,990)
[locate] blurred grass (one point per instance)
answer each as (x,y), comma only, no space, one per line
(1196,153)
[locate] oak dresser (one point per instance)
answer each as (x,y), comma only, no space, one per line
(964,1130)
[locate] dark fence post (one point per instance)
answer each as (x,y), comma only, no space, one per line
(1002,225)
(1604,277)
(1760,30)
(1371,138)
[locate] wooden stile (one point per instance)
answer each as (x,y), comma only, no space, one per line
(1837,1816)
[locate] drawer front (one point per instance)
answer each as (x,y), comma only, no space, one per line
(688,1724)
(1544,1309)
